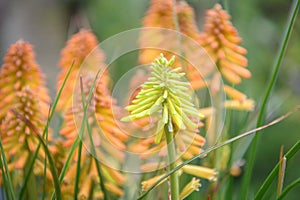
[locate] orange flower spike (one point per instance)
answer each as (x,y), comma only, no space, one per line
(100,113)
(18,139)
(79,47)
(20,69)
(221,40)
(22,87)
(160,14)
(102,106)
(186,20)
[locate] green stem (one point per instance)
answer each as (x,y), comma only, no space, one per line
(76,188)
(31,191)
(67,163)
(253,147)
(78,138)
(99,171)
(85,121)
(69,157)
(85,106)
(91,193)
(226,5)
(215,136)
(45,168)
(172,157)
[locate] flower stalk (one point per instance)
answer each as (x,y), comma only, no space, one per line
(165,96)
(174,179)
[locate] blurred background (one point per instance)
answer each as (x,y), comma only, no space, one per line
(47,24)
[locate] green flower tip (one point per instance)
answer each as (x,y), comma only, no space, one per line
(165,94)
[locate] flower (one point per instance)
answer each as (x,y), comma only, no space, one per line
(19,141)
(22,87)
(199,171)
(192,186)
(221,41)
(20,70)
(81,50)
(160,15)
(148,183)
(164,93)
(108,142)
(247,105)
(164,97)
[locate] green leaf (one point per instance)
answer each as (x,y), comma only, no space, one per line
(253,147)
(5,172)
(27,176)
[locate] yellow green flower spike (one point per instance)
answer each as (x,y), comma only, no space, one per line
(165,94)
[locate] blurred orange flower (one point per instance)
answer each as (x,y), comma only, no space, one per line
(19,70)
(160,15)
(18,139)
(221,41)
(83,51)
(22,87)
(107,138)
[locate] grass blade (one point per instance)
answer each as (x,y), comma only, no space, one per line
(264,187)
(6,172)
(45,172)
(289,188)
(70,155)
(99,171)
(4,181)
(76,142)
(50,158)
(253,147)
(105,194)
(30,168)
(73,148)
(76,188)
(45,161)
(281,171)
(66,165)
(91,193)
